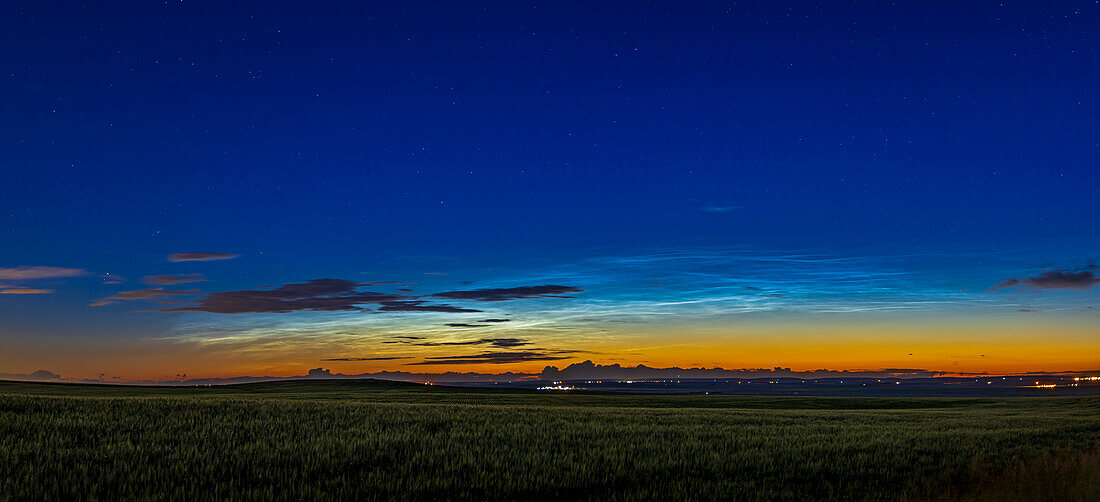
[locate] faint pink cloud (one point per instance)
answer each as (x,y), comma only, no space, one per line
(168,280)
(25,291)
(141,294)
(25,272)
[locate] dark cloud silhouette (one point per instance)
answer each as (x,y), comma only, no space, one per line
(503,294)
(322,373)
(419,306)
(200,256)
(588,370)
(495,342)
(39,375)
(493,358)
(315,287)
(1054,279)
(464,325)
(169,280)
(340,294)
(141,294)
(379,358)
(495,320)
(45,375)
(507,342)
(908,372)
(318,295)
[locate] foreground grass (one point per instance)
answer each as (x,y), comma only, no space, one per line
(374,440)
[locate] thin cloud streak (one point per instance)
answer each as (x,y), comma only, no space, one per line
(26,291)
(142,294)
(200,256)
(29,273)
(354,359)
(492,358)
(170,280)
(495,342)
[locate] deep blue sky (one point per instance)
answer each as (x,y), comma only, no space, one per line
(388,140)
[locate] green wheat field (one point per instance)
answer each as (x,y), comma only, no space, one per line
(372,440)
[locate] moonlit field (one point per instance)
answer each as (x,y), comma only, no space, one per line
(549,251)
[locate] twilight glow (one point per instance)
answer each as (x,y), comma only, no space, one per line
(196,195)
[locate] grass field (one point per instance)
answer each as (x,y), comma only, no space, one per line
(379,440)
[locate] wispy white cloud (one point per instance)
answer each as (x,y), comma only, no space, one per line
(642,299)
(666,286)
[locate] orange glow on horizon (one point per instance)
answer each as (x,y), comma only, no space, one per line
(953,349)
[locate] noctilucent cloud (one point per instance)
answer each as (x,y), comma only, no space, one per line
(216,189)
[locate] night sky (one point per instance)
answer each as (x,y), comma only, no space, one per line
(222,189)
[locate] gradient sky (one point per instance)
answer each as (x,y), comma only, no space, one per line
(502,186)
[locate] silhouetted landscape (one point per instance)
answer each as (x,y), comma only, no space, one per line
(369,439)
